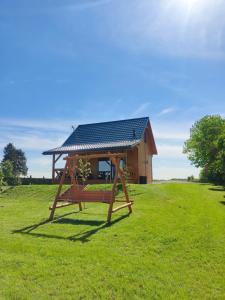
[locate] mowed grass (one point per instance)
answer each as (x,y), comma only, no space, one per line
(171,247)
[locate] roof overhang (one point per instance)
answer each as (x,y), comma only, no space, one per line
(90,148)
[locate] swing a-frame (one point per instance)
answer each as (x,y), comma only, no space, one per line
(77,193)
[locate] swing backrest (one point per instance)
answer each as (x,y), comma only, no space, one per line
(91,196)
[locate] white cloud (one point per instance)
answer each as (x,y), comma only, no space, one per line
(168,150)
(167,111)
(35,142)
(58,125)
(42,161)
(33,135)
(87,4)
(141,110)
(171,131)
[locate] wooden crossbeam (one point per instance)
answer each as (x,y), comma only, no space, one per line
(89,156)
(60,206)
(122,206)
(132,201)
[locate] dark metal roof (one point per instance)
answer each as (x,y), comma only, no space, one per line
(99,147)
(114,135)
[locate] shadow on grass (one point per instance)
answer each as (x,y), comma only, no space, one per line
(217,189)
(78,222)
(30,228)
(82,236)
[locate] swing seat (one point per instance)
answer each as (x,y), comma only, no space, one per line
(91,196)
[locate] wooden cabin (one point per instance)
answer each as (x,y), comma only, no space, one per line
(133,137)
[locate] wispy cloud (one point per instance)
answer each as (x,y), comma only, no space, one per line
(88,4)
(54,7)
(166,111)
(168,151)
(141,109)
(58,125)
(169,131)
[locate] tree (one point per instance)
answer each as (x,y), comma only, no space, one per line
(2,182)
(205,148)
(17,158)
(7,171)
(84,170)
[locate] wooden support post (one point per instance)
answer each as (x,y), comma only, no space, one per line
(58,193)
(71,169)
(116,161)
(54,161)
(124,188)
(53,168)
(58,158)
(122,206)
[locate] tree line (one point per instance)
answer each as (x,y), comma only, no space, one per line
(13,165)
(206,148)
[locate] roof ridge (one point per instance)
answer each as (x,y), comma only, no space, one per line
(140,118)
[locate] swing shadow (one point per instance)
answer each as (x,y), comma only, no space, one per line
(82,236)
(30,228)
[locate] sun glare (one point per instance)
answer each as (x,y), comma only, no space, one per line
(189,4)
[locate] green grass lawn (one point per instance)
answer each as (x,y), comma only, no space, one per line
(171,247)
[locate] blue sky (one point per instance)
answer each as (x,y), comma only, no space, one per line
(70,62)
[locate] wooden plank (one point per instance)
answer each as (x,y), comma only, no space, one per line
(60,206)
(71,168)
(122,206)
(121,173)
(124,201)
(53,168)
(94,200)
(91,196)
(58,193)
(89,156)
(116,162)
(58,158)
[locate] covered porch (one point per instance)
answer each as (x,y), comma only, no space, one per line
(102,169)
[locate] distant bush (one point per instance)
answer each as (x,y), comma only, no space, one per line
(191,178)
(30,180)
(7,172)
(2,181)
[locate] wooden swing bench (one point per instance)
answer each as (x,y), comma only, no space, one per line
(77,194)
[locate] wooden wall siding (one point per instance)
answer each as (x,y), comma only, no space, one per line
(145,159)
(132,164)
(150,179)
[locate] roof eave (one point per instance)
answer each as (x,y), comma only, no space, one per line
(118,148)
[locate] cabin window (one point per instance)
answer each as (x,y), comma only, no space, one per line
(105,170)
(104,166)
(122,164)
